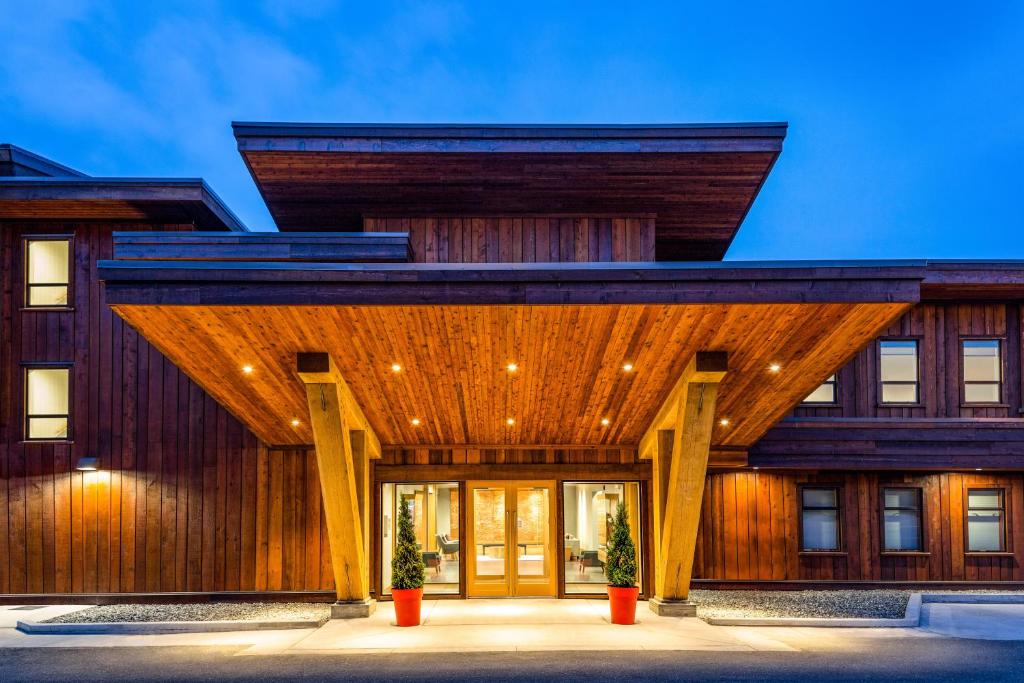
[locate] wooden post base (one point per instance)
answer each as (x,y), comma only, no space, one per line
(356,609)
(672,608)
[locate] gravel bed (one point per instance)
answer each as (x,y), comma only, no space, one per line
(218,611)
(887,604)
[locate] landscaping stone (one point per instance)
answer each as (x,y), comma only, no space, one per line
(878,604)
(220,611)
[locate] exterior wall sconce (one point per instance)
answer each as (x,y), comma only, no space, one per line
(87,463)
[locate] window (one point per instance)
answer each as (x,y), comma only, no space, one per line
(898,370)
(819,519)
(901,520)
(588,510)
(985,520)
(47,397)
(47,272)
(983,371)
(826,393)
(435,521)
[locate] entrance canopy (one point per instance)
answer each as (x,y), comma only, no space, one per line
(594,343)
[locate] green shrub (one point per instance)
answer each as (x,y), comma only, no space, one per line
(620,564)
(407,570)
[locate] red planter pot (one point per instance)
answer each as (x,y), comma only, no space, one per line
(407,605)
(623,604)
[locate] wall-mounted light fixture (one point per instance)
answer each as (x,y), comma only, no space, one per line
(87,463)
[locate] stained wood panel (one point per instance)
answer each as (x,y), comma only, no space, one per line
(523,239)
(187,499)
(453,360)
(750,522)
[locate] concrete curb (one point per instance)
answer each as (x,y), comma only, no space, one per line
(911,618)
(157,627)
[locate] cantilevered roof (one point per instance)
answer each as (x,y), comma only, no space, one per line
(697,180)
(151,200)
(454,329)
(15,161)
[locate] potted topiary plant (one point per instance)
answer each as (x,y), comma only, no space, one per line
(407,571)
(620,569)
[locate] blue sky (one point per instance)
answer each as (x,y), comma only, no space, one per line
(905,139)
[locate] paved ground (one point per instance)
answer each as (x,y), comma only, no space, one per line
(526,640)
(923,659)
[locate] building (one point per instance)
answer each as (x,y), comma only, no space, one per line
(511,329)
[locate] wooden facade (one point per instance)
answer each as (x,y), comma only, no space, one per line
(749,529)
(187,500)
(546,248)
(939,328)
(519,239)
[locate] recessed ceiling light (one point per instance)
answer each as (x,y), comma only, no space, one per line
(627,367)
(977,469)
(606,422)
(774,367)
(415,422)
(395,367)
(247,369)
(512,367)
(510,421)
(295,423)
(724,422)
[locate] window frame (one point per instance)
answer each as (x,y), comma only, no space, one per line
(1001,341)
(918,398)
(840,537)
(641,532)
(921,537)
(835,393)
(1003,549)
(27,286)
(26,416)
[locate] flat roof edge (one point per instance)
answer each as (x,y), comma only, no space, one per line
(509,131)
(106,188)
(37,162)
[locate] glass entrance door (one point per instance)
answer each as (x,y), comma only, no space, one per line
(511,538)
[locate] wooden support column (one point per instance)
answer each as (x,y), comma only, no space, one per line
(344,475)
(680,463)
(361,465)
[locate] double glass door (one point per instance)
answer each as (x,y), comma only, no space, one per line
(511,539)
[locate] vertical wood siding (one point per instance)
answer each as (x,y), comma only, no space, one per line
(187,499)
(939,329)
(750,528)
(523,240)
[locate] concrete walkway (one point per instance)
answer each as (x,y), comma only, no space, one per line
(514,626)
(520,626)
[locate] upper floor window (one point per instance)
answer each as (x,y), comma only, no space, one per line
(47,401)
(819,518)
(901,520)
(826,393)
(47,272)
(983,370)
(985,520)
(898,371)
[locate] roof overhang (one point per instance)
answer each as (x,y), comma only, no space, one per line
(15,161)
(147,200)
(697,180)
(454,328)
(981,280)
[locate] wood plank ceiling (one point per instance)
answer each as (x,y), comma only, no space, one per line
(454,379)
